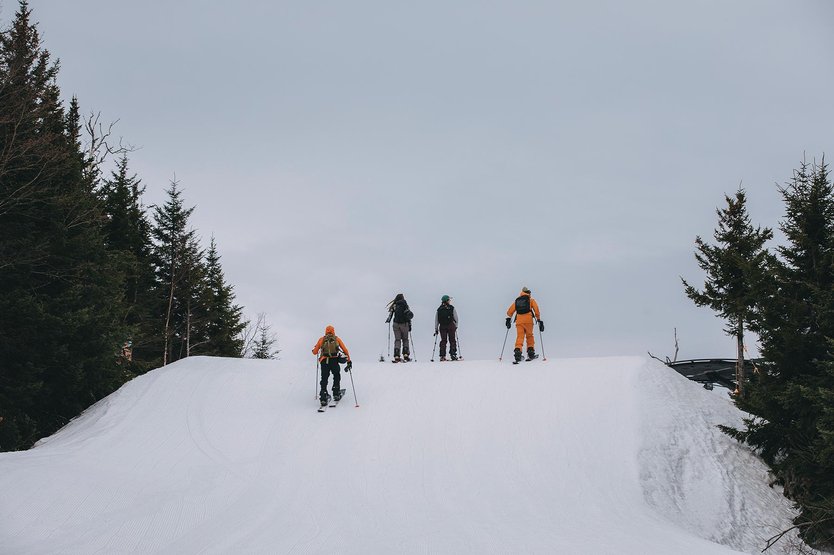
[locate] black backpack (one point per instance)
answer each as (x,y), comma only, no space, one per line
(445,314)
(522,304)
(402,313)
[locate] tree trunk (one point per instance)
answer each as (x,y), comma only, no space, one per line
(170,309)
(740,359)
(168,321)
(188,329)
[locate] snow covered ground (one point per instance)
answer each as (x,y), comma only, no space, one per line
(209,455)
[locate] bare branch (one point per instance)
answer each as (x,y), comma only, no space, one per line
(676,346)
(100,146)
(656,358)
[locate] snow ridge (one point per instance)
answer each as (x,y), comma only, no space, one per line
(215,455)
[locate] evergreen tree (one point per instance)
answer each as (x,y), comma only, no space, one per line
(58,287)
(128,237)
(791,399)
(177,260)
(223,322)
(736,269)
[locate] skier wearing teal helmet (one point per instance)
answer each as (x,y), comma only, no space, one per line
(446,324)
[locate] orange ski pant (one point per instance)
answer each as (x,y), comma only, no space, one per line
(522,330)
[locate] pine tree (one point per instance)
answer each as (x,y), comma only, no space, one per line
(128,237)
(58,287)
(736,269)
(223,322)
(178,262)
(791,399)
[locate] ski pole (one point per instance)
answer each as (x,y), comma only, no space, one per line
(316,396)
(457,340)
(411,339)
(435,346)
(541,341)
(353,386)
(390,325)
(500,358)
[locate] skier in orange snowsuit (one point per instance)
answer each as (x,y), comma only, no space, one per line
(525,308)
(332,348)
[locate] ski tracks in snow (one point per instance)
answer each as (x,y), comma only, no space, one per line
(230,456)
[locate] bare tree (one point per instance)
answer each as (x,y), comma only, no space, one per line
(100,145)
(667,361)
(258,339)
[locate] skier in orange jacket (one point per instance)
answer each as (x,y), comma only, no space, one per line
(333,351)
(525,308)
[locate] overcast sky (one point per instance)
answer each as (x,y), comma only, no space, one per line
(342,152)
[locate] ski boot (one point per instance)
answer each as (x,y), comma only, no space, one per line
(336,394)
(406,357)
(531,354)
(396,356)
(454,357)
(442,358)
(324,398)
(517,355)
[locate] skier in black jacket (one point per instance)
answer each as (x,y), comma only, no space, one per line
(402,315)
(446,323)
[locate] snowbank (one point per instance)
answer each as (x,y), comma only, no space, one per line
(208,455)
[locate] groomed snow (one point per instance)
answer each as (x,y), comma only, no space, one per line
(209,455)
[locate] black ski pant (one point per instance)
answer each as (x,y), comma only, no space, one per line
(329,366)
(448,333)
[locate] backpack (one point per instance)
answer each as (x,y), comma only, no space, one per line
(402,313)
(330,346)
(445,314)
(522,304)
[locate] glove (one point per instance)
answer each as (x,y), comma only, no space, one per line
(388,320)
(314,351)
(409,326)
(541,325)
(349,366)
(435,333)
(509,322)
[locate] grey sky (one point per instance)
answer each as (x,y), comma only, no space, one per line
(342,152)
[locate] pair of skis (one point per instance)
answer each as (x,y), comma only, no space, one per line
(528,359)
(333,401)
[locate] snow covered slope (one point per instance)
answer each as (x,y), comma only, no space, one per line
(209,455)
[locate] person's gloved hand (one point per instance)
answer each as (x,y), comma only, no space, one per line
(509,322)
(314,351)
(435,333)
(388,320)
(541,325)
(409,326)
(349,366)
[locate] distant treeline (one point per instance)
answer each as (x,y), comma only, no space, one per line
(786,296)
(93,289)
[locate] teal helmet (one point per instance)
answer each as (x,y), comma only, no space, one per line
(444,299)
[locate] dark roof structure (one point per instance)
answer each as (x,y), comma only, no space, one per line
(718,371)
